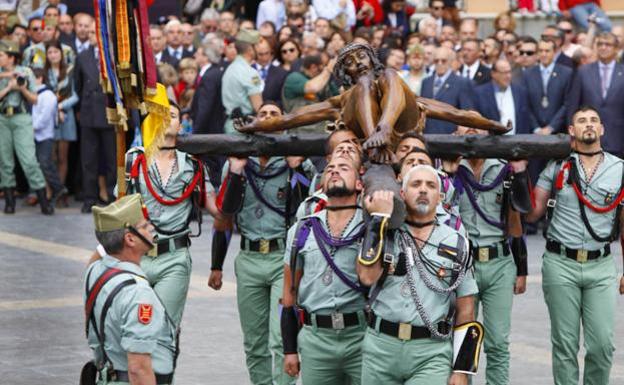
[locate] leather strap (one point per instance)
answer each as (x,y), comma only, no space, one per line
(178,243)
(556,247)
(161,379)
(394,329)
(327,321)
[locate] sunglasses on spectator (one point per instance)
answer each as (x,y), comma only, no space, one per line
(36,29)
(604,44)
(289,50)
(526,53)
(566,30)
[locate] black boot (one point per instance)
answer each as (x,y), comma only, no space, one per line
(9,199)
(46,208)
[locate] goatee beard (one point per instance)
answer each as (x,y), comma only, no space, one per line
(339,192)
(422,208)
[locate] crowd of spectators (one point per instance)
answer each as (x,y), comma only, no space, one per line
(223,58)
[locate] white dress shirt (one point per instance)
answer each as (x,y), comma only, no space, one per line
(471,70)
(80,46)
(330,9)
(506,107)
(273,11)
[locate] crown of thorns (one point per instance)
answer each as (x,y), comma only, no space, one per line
(339,70)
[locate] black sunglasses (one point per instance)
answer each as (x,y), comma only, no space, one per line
(526,53)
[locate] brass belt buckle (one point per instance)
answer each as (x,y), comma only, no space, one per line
(405,332)
(9,111)
(581,256)
(484,254)
(337,321)
(264,246)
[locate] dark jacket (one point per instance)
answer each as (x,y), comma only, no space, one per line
(207,110)
(273,83)
(486,105)
(586,90)
(483,74)
(456,91)
(554,115)
(92,99)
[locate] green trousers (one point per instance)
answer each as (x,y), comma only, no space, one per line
(331,357)
(169,274)
(580,293)
(259,283)
(16,134)
(388,360)
(495,280)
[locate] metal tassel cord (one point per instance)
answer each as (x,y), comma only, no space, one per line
(408,244)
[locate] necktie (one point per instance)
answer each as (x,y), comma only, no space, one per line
(605,84)
(264,72)
(436,86)
(467,72)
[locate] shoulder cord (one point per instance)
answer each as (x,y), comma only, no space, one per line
(408,244)
(198,178)
(575,178)
(254,187)
(323,238)
(466,183)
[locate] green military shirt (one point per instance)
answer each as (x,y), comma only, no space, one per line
(294,87)
(171,219)
(256,220)
(480,232)
(320,290)
(14,98)
(566,225)
(395,303)
(35,55)
(136,321)
(240,80)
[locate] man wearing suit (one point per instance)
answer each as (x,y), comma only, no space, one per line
(79,39)
(97,137)
(552,32)
(175,48)
(273,76)
(548,85)
(447,87)
(601,86)
(161,55)
(503,101)
(472,68)
(527,58)
(207,112)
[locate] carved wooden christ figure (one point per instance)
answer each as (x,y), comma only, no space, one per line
(377,105)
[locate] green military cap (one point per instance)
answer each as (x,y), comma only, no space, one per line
(127,211)
(9,46)
(250,36)
(50,22)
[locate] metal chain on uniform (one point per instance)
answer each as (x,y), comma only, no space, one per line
(174,170)
(328,273)
(407,243)
(588,178)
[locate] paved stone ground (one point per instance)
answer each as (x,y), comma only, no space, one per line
(42,260)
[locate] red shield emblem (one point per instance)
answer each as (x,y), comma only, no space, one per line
(145,313)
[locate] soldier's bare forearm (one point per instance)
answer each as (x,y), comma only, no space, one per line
(465,310)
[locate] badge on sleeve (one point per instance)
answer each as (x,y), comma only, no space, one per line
(256,80)
(145,313)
